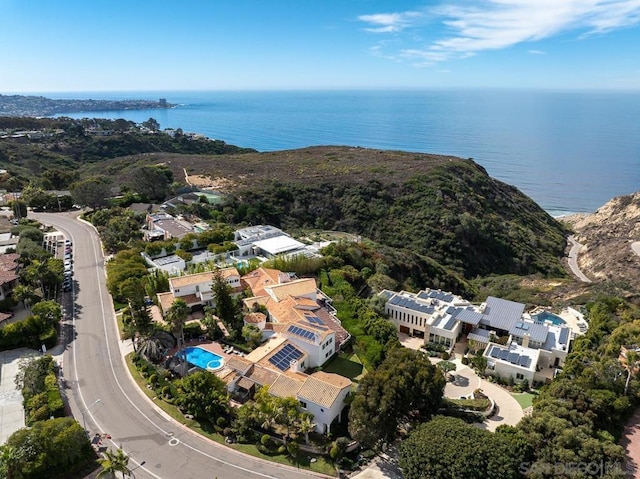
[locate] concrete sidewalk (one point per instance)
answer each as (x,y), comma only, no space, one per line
(11,410)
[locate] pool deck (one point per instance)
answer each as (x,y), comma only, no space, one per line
(207,345)
(570,319)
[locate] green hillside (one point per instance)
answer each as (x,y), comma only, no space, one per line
(443,208)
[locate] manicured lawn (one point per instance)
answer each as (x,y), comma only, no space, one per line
(524,399)
(347,365)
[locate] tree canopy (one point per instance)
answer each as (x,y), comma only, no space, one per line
(46,449)
(92,192)
(203,395)
(449,448)
(406,382)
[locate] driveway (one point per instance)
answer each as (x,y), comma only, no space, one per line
(508,410)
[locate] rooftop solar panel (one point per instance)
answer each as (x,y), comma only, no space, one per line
(304,333)
(513,358)
(564,336)
(495,353)
(314,319)
(282,359)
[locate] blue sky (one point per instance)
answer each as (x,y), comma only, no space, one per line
(118,45)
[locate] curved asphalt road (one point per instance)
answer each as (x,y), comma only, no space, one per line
(573,260)
(94,369)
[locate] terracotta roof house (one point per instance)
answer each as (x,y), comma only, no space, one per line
(8,274)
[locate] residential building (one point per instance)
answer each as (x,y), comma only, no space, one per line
(8,242)
(279,365)
(163,226)
(8,274)
(514,344)
(196,289)
(294,309)
(267,241)
(429,314)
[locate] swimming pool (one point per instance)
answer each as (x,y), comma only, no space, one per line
(203,358)
(547,316)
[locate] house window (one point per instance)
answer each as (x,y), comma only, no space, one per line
(197,288)
(519,376)
(303,405)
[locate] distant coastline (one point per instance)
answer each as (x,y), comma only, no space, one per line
(39,106)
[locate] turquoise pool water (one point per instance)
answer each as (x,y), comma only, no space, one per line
(547,316)
(203,358)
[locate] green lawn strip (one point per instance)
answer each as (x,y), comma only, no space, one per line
(321,465)
(347,365)
(119,315)
(524,399)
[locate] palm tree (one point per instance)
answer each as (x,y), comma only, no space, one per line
(113,462)
(35,272)
(633,361)
(151,348)
(23,293)
(306,425)
(177,317)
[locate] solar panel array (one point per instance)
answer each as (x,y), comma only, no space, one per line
(282,359)
(316,322)
(304,333)
(411,304)
(446,297)
(564,335)
(513,358)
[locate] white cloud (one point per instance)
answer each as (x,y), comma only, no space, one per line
(389,22)
(498,24)
(537,52)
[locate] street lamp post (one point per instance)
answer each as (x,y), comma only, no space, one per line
(84,419)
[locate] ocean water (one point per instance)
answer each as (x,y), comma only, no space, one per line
(569,151)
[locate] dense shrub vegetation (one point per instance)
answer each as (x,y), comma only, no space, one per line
(39,384)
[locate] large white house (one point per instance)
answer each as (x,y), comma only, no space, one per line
(515,344)
(429,314)
(266,241)
(196,289)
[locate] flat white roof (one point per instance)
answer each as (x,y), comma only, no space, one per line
(279,244)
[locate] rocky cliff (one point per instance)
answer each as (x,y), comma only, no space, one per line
(608,235)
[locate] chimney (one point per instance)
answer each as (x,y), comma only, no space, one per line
(525,340)
(295,366)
